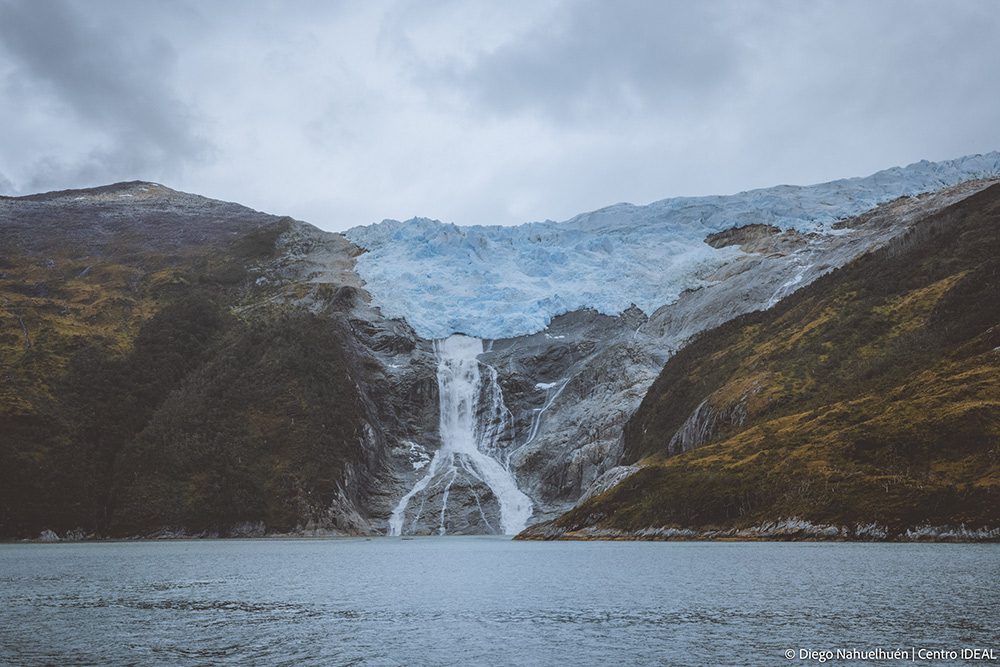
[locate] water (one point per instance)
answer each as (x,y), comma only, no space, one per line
(486,600)
(467,444)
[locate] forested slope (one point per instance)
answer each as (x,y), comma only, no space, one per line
(148,383)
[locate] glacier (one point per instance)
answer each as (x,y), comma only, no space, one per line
(493,281)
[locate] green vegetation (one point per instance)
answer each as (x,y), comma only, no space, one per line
(261,432)
(871,396)
(133,399)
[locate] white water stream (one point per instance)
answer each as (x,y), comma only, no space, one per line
(466,445)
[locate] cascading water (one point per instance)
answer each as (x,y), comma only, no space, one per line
(468,443)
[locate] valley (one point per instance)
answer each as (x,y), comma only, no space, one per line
(752,366)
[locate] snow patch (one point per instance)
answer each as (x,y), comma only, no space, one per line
(419,458)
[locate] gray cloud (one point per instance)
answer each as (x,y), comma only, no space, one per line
(589,60)
(484,112)
(107,77)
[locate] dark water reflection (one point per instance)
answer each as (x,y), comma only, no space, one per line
(490,601)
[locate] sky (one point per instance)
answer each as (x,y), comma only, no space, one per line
(345,113)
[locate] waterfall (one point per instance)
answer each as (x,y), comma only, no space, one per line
(470,431)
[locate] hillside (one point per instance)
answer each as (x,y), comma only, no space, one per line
(168,367)
(866,405)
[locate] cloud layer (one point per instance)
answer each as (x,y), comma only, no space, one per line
(480,112)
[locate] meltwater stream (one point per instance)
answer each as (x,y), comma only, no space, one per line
(467,443)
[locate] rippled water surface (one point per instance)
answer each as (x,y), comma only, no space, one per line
(469,601)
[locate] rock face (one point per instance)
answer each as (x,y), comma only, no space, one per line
(314,271)
(571,389)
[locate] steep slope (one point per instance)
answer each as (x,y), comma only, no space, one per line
(174,363)
(864,405)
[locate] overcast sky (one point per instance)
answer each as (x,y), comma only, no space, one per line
(496,112)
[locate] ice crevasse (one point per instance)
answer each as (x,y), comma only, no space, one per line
(492,281)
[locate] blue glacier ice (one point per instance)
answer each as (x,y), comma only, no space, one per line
(492,281)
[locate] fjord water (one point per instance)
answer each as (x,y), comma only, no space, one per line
(486,601)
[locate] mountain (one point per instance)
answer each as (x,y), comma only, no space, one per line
(866,405)
(568,389)
(176,365)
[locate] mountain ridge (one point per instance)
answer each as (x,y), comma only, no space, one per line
(173,365)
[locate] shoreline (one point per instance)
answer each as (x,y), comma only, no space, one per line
(787,530)
(991,536)
(624,537)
